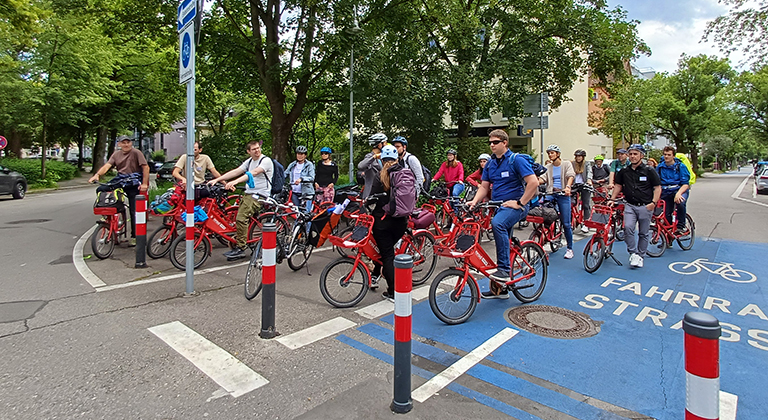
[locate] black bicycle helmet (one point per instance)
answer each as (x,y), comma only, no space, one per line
(580,152)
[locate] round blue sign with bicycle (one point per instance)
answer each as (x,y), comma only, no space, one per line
(186,50)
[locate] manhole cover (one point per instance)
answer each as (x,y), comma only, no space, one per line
(28,221)
(553,322)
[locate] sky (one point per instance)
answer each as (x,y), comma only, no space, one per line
(673,27)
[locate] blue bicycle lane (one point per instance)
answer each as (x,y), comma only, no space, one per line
(636,361)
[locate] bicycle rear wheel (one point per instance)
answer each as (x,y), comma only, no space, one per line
(159,242)
(557,233)
(103,241)
(449,302)
(253,273)
(686,241)
(594,254)
(657,242)
(530,260)
(424,259)
(179,251)
(300,250)
(342,285)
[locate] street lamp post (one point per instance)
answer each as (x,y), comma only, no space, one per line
(354,31)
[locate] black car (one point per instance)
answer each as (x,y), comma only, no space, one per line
(166,171)
(12,183)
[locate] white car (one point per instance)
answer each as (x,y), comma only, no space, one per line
(761,181)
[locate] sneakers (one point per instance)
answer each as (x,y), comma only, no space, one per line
(584,229)
(375,282)
(499,275)
(234,254)
(132,242)
(496,292)
(635,260)
(388,296)
(569,254)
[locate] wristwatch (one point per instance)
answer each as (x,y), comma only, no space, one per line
(520,204)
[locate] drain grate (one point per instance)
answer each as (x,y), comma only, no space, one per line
(553,322)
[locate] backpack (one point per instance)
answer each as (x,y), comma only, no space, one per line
(538,169)
(402,193)
(426,172)
(605,171)
(112,199)
(683,158)
(278,177)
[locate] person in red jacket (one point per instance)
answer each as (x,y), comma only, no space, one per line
(475,178)
(453,171)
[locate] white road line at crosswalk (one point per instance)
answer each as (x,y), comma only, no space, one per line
(231,374)
(80,265)
(315,333)
(462,365)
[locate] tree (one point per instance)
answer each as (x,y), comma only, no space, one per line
(628,115)
(748,94)
(745,28)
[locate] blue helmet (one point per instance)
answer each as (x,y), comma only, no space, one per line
(638,147)
(389,152)
(326,149)
(400,139)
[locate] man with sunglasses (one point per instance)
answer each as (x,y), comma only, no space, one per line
(514,183)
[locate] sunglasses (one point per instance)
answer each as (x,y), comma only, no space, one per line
(494,142)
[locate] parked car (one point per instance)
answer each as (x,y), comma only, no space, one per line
(760,166)
(165,172)
(761,181)
(12,182)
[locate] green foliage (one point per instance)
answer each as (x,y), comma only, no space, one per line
(158,156)
(30,168)
(744,28)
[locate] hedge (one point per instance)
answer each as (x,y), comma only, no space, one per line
(31,169)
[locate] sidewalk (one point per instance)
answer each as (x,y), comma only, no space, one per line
(81,182)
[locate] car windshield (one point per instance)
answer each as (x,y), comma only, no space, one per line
(169,165)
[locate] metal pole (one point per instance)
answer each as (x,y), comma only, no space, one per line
(351,116)
(141,231)
(269,245)
(702,366)
(402,403)
(541,124)
(190,231)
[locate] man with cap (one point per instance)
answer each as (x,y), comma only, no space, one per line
(371,163)
(617,165)
(642,189)
(128,160)
(409,161)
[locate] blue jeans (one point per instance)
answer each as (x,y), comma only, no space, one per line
(457,189)
(505,219)
(564,208)
(670,206)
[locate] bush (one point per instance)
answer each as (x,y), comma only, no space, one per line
(158,156)
(32,168)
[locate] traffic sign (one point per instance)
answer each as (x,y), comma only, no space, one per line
(3,142)
(187,54)
(533,103)
(536,122)
(187,12)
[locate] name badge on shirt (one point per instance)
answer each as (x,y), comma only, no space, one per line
(505,174)
(643,178)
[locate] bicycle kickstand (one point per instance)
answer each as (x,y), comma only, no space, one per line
(306,265)
(614,259)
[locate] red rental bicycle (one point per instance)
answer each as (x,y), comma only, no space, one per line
(454,293)
(112,206)
(663,233)
(600,245)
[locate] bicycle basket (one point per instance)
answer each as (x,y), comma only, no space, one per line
(359,235)
(108,202)
(462,243)
(601,216)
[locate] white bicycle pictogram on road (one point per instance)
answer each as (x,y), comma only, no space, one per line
(724,270)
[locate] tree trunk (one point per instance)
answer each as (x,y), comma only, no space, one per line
(695,158)
(14,143)
(81,148)
(99,149)
(42,160)
(281,131)
(111,142)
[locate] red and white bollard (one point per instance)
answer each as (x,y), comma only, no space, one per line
(402,402)
(269,254)
(702,366)
(141,231)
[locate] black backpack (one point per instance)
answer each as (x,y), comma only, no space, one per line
(278,177)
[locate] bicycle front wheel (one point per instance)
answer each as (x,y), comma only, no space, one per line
(531,261)
(451,302)
(421,248)
(594,255)
(686,241)
(657,242)
(179,251)
(253,273)
(342,284)
(103,241)
(159,242)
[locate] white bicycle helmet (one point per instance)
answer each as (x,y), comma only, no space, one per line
(389,152)
(377,138)
(553,147)
(485,156)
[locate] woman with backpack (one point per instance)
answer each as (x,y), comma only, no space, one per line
(301,173)
(453,171)
(389,225)
(327,175)
(559,178)
(583,172)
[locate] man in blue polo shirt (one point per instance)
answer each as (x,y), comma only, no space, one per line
(515,184)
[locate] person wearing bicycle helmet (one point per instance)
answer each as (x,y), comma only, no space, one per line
(410,161)
(476,177)
(387,230)
(327,173)
(301,174)
(642,190)
(559,179)
(453,171)
(600,172)
(371,163)
(583,172)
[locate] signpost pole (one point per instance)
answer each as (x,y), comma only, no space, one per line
(541,118)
